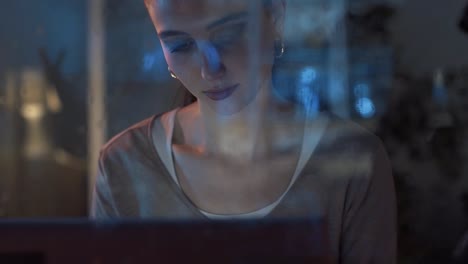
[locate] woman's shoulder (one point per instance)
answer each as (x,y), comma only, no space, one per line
(348,150)
(129,138)
(342,132)
(133,142)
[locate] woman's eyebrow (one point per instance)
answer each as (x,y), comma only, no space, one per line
(171,33)
(226,19)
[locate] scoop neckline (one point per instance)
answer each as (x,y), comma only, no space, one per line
(320,122)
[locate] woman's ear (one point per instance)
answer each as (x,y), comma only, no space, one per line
(278,10)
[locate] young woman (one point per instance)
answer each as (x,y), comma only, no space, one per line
(234,153)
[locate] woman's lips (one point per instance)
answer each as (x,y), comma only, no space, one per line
(220,94)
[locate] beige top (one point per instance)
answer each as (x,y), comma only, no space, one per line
(163,142)
(346,181)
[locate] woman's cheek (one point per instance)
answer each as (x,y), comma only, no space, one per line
(238,54)
(179,64)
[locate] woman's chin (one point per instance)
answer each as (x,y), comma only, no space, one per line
(234,104)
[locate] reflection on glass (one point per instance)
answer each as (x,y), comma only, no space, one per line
(262,138)
(252,119)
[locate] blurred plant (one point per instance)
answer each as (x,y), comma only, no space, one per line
(464,199)
(69,124)
(406,121)
(463,24)
(409,127)
(371,23)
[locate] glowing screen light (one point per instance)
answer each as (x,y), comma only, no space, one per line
(365,107)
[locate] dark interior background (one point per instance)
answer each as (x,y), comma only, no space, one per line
(408,83)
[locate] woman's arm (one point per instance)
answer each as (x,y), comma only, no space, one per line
(103,204)
(370,223)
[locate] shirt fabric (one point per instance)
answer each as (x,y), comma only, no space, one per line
(163,144)
(345,180)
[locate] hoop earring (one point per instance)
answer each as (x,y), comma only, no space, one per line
(279,48)
(172,73)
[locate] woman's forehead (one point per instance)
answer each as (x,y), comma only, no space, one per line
(175,13)
(188,7)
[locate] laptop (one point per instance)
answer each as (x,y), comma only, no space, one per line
(131,241)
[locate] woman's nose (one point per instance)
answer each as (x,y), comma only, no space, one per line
(212,67)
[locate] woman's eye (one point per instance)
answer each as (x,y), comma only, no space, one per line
(228,36)
(182,46)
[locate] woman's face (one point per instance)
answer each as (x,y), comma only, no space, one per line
(206,45)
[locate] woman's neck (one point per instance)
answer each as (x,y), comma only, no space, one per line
(243,135)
